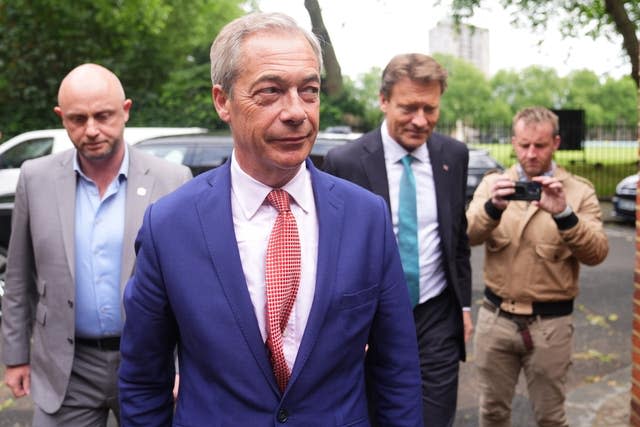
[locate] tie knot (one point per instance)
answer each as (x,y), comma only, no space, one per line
(279,199)
(406,160)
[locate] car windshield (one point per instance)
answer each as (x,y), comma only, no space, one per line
(480,159)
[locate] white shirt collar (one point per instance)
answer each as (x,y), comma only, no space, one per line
(251,193)
(394,152)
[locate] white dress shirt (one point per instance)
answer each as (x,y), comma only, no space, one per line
(432,276)
(253,219)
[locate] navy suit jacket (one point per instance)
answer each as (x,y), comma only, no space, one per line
(362,162)
(189,289)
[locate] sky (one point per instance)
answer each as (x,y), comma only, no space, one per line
(368,33)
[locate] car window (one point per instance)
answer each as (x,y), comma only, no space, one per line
(211,156)
(481,160)
(30,149)
(173,154)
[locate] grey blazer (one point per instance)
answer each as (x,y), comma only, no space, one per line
(40,279)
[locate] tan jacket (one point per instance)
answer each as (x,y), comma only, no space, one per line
(527,258)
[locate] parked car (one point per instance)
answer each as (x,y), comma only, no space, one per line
(30,145)
(207,151)
(480,162)
(624,202)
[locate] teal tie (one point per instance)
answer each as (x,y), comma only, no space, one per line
(408,230)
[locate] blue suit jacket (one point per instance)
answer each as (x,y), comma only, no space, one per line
(189,289)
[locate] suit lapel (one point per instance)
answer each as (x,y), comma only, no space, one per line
(214,212)
(440,168)
(374,167)
(139,187)
(65,191)
(330,211)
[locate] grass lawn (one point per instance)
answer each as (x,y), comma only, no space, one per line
(603,165)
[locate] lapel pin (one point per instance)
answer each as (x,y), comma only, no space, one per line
(141,191)
(445,168)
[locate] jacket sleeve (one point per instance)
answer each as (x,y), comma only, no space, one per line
(148,341)
(20,287)
(480,223)
(392,359)
(587,239)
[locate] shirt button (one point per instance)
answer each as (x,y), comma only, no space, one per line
(283,415)
(70,340)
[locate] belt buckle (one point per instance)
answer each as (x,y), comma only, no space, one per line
(515,307)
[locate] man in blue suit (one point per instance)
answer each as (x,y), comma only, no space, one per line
(204,273)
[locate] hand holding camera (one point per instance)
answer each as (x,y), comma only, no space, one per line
(526,190)
(543,191)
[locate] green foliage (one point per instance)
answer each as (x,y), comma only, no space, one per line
(469,96)
(577,17)
(142,41)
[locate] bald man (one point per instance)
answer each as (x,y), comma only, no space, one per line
(71,251)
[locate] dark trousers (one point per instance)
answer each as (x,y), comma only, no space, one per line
(440,334)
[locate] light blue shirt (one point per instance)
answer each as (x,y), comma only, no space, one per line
(99,230)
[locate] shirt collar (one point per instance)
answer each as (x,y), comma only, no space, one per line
(394,152)
(251,193)
(522,176)
(124,166)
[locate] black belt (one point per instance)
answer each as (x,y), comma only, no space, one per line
(104,344)
(543,309)
(521,320)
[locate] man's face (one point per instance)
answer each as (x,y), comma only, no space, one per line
(534,145)
(412,112)
(274,110)
(94,118)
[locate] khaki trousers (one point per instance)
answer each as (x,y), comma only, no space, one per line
(500,354)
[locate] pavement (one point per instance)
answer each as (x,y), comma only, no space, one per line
(607,402)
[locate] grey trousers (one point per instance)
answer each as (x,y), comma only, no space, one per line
(91,394)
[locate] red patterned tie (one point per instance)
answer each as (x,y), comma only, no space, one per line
(282,279)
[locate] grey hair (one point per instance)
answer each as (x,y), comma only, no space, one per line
(531,115)
(226,48)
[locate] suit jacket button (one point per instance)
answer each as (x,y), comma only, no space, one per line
(283,415)
(70,303)
(70,340)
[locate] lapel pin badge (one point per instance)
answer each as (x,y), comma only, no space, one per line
(445,168)
(141,191)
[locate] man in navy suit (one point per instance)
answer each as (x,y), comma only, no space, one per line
(202,281)
(412,85)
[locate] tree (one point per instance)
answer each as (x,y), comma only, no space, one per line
(468,96)
(142,41)
(332,83)
(532,86)
(590,17)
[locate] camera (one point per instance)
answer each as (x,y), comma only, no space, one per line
(528,190)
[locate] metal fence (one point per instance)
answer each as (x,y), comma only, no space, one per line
(607,154)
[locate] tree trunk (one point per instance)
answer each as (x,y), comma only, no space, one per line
(627,28)
(333,75)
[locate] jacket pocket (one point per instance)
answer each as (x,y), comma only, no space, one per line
(553,253)
(356,299)
(41,313)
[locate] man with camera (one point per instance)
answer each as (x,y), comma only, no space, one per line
(538,223)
